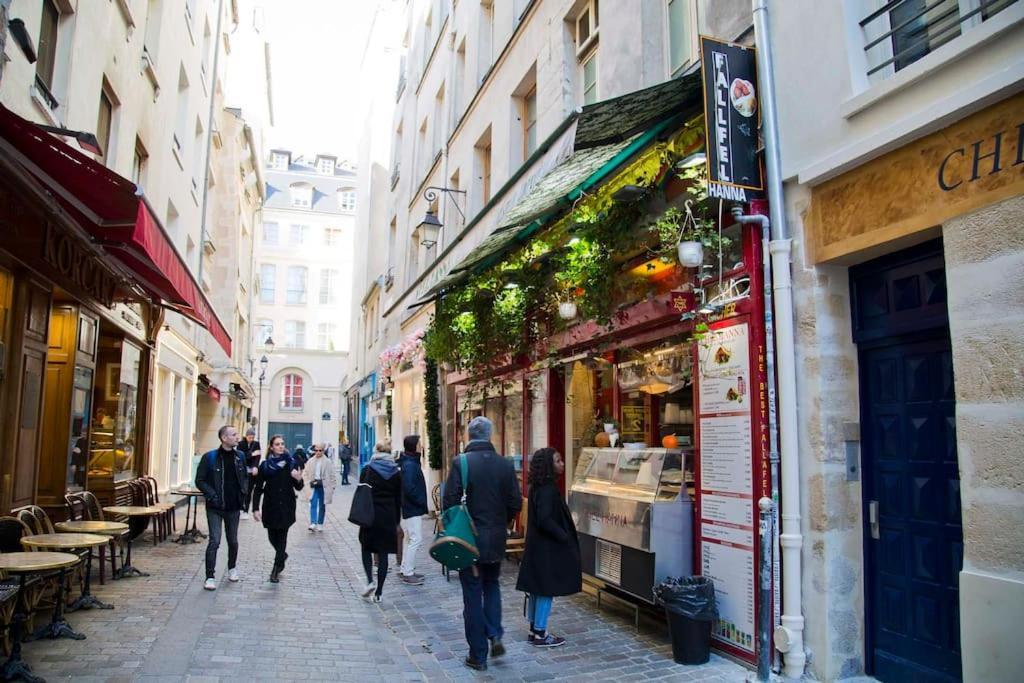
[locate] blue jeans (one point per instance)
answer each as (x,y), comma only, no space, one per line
(346,467)
(317,507)
(538,610)
(481,602)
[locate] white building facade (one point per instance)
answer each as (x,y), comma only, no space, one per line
(304,263)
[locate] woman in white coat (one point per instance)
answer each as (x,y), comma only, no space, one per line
(320,483)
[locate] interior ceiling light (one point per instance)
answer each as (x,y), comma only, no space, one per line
(629,193)
(695,159)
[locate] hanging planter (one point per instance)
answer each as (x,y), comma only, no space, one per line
(691,254)
(567,310)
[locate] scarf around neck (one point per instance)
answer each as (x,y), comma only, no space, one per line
(275,463)
(384,465)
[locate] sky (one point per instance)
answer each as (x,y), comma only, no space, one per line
(315,52)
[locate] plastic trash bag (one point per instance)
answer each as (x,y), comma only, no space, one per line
(691,596)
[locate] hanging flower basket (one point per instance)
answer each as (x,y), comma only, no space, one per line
(567,310)
(691,254)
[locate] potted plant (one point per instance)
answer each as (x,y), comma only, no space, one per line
(685,234)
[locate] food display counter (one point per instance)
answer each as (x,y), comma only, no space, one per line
(634,516)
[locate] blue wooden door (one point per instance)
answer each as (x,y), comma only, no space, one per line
(913,535)
(294,433)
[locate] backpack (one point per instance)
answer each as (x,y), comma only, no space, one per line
(454,545)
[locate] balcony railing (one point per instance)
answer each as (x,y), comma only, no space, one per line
(900,32)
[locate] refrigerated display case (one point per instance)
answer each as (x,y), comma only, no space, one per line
(634,516)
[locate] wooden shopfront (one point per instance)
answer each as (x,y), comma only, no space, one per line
(80,304)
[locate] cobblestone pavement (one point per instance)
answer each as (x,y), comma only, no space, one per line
(314,626)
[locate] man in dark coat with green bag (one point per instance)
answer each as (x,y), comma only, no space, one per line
(494,500)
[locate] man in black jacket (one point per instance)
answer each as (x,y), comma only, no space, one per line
(222,477)
(414,506)
(494,500)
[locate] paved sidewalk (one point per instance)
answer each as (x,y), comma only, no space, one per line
(314,626)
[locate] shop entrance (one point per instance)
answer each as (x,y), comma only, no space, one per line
(294,433)
(912,536)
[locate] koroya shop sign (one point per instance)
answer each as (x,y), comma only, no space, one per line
(731,116)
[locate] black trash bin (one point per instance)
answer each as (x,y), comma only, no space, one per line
(690,607)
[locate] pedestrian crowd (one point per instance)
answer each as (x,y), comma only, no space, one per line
(390,505)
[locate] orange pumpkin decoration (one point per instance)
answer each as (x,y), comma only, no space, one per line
(670,441)
(602,440)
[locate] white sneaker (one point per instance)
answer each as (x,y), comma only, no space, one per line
(312,527)
(233,576)
(245,515)
(211,585)
(320,527)
(369,588)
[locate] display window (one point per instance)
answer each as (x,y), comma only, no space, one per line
(115,402)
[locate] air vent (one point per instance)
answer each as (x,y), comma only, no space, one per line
(609,562)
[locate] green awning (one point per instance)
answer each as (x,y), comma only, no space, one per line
(607,132)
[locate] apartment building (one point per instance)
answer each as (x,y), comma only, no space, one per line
(151,91)
(901,149)
(484,93)
(304,262)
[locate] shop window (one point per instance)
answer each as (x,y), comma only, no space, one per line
(538,392)
(115,405)
(291,392)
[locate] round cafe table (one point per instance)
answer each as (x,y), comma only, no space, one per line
(73,541)
(193,534)
(23,564)
(146,511)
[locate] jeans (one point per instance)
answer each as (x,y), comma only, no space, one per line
(317,507)
(279,539)
(346,467)
(413,528)
(214,518)
(538,610)
(382,568)
(247,500)
(481,606)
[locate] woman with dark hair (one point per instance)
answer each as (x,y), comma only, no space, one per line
(551,558)
(277,480)
(381,538)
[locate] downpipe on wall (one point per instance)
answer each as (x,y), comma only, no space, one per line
(789,635)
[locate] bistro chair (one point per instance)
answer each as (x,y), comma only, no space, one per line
(90,508)
(8,601)
(167,517)
(515,545)
(37,586)
(36,519)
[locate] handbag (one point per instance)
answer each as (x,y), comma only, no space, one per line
(361,513)
(455,544)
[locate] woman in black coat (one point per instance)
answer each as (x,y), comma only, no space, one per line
(278,479)
(551,558)
(381,538)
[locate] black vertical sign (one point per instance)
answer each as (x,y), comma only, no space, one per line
(731,116)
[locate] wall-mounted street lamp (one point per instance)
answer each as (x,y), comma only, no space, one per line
(86,141)
(23,39)
(264,362)
(430,227)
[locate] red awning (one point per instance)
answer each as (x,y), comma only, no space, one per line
(114,212)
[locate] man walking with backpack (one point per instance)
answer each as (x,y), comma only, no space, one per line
(494,500)
(224,481)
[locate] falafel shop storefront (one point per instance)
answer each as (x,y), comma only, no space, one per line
(583,324)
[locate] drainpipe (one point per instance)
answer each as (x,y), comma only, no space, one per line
(789,635)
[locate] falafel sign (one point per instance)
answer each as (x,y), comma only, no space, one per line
(731,120)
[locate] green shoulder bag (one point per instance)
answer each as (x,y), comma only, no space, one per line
(454,544)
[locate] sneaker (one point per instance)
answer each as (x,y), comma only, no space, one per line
(411,580)
(233,576)
(210,585)
(312,527)
(547,640)
(418,576)
(377,599)
(497,647)
(320,528)
(367,589)
(245,515)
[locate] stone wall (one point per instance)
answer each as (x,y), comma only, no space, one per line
(985,273)
(827,391)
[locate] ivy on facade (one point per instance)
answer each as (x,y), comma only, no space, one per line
(432,407)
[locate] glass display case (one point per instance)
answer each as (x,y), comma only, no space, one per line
(634,516)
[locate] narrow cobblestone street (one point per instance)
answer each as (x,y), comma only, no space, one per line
(314,626)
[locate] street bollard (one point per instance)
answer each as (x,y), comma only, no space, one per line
(764,614)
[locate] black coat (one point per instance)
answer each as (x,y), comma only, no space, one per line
(277,492)
(551,559)
(494,497)
(382,535)
(210,478)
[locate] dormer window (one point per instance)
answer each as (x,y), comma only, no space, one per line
(279,161)
(325,166)
(347,200)
(302,195)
